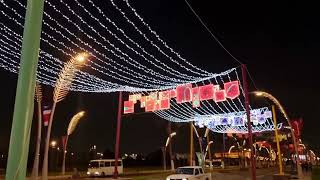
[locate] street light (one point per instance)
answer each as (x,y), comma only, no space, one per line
(71,127)
(230,149)
(208,145)
(62,85)
(38,97)
(278,104)
(164,152)
(53,144)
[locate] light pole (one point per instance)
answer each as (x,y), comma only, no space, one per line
(208,146)
(165,150)
(118,133)
(278,104)
(61,89)
(35,169)
(230,149)
(53,154)
(200,144)
(71,127)
(247,104)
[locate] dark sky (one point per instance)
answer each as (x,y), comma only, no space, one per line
(279,42)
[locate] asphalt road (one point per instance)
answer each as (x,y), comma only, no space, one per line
(262,174)
(218,174)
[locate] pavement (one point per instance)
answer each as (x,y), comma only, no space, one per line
(217,174)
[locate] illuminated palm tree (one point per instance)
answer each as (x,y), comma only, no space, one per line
(71,127)
(61,90)
(38,97)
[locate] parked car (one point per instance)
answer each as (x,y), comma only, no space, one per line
(190,173)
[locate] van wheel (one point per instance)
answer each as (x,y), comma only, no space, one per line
(103,174)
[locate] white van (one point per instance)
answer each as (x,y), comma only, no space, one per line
(103,167)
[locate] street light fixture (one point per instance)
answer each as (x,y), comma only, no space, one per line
(165,150)
(71,127)
(62,85)
(38,97)
(208,145)
(278,104)
(53,144)
(230,149)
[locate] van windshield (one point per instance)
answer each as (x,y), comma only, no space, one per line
(94,165)
(184,171)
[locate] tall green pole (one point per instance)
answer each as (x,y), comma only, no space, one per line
(23,108)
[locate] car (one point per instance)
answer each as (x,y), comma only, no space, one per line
(189,173)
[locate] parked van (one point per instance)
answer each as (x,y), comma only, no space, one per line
(103,167)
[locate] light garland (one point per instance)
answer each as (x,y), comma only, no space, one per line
(114,64)
(162,41)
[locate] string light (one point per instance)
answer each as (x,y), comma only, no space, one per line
(163,42)
(145,79)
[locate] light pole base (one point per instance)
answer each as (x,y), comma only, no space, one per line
(281,177)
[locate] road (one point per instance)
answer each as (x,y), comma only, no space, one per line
(217,174)
(262,174)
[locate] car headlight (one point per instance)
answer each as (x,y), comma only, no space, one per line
(168,179)
(185,179)
(97,173)
(88,173)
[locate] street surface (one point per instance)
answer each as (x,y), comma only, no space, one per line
(217,174)
(235,174)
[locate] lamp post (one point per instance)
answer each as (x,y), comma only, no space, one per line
(246,97)
(118,130)
(61,89)
(71,127)
(278,104)
(208,146)
(35,169)
(200,144)
(165,149)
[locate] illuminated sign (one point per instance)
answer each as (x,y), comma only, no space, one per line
(257,117)
(184,93)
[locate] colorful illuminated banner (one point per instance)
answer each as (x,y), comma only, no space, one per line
(184,93)
(258,117)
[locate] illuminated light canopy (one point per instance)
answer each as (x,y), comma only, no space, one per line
(118,62)
(121,59)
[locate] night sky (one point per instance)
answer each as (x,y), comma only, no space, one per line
(279,42)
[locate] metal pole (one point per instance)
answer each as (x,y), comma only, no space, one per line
(299,169)
(64,155)
(209,151)
(164,159)
(170,147)
(47,144)
(277,139)
(245,88)
(35,169)
(191,144)
(24,102)
(116,154)
(224,150)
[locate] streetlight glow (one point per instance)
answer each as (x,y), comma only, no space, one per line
(258,93)
(81,57)
(173,134)
(53,143)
